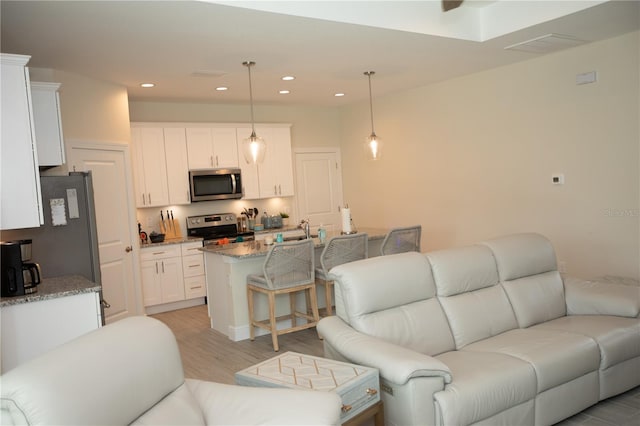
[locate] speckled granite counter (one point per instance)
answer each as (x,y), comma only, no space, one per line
(259,248)
(171,241)
(52,288)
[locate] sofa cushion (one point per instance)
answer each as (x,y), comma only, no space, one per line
(537,298)
(484,384)
(522,255)
(478,315)
(393,298)
(464,269)
(618,338)
(178,408)
(363,286)
(557,356)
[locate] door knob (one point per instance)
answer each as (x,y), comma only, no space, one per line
(128,249)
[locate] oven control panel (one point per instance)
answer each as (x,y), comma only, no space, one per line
(211,220)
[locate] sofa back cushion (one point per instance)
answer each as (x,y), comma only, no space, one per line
(468,288)
(112,375)
(393,298)
(528,271)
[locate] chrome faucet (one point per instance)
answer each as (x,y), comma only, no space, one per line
(304,224)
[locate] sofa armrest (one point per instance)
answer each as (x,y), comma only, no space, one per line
(395,363)
(224,404)
(599,298)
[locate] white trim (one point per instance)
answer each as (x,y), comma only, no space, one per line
(165,124)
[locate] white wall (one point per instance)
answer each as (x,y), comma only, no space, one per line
(472,158)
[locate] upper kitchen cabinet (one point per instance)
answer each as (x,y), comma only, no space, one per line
(150,166)
(48,123)
(175,147)
(273,177)
(20,204)
(212,147)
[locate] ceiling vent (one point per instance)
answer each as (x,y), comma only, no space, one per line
(208,73)
(546,44)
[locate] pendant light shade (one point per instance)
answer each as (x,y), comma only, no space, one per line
(373,144)
(253,148)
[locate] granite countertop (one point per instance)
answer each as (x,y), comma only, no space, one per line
(52,288)
(170,241)
(250,249)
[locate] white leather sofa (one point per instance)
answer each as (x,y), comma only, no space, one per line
(485,334)
(130,372)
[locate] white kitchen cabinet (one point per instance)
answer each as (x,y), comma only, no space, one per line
(162,278)
(48,123)
(193,270)
(175,147)
(273,177)
(212,147)
(150,166)
(31,329)
(20,206)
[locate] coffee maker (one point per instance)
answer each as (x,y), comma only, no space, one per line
(20,276)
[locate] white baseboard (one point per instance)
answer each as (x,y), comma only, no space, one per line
(166,307)
(242,332)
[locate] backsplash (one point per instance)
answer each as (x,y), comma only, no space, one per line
(149,218)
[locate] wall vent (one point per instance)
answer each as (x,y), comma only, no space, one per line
(546,44)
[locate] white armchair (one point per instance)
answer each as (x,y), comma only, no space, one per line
(130,372)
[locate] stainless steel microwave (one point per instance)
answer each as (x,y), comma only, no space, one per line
(215,184)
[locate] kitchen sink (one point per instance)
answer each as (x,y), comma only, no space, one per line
(299,237)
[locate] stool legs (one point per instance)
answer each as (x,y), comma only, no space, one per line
(252,333)
(272,320)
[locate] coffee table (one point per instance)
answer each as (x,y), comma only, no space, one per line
(358,386)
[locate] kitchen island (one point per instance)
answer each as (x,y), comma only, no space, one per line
(226,270)
(62,309)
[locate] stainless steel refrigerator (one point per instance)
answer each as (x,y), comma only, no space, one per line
(67,243)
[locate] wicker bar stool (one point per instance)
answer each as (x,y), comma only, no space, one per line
(289,268)
(340,249)
(401,240)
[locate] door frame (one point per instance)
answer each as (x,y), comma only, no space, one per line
(125,149)
(320,150)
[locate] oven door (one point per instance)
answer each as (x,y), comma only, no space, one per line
(215,184)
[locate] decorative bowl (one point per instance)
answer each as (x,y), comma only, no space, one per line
(156,238)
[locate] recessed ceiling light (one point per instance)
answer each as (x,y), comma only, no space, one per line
(288,78)
(337,95)
(221,88)
(147,85)
(284,92)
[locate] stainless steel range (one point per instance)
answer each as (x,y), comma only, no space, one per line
(216,227)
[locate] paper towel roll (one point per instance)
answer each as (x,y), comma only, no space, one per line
(346,220)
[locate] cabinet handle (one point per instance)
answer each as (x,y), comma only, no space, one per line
(275,190)
(279,189)
(158,252)
(149,198)
(217,163)
(194,266)
(163,266)
(156,268)
(144,202)
(193,288)
(211,160)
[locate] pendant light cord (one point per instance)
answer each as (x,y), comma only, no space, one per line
(369,74)
(249,64)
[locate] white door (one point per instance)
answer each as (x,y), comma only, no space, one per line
(112,187)
(319,187)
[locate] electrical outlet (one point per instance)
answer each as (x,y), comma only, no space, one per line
(149,222)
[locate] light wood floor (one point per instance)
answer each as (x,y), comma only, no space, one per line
(209,355)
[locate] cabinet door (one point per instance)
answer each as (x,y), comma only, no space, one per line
(250,183)
(151,291)
(175,147)
(151,168)
(172,279)
(281,150)
(200,148)
(21,205)
(225,147)
(48,123)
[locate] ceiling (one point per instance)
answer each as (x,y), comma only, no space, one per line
(187,48)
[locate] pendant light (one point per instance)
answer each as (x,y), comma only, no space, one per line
(373,144)
(253,148)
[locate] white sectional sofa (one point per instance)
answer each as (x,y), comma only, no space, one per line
(485,334)
(130,373)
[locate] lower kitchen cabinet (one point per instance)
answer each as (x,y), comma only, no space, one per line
(172,273)
(162,279)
